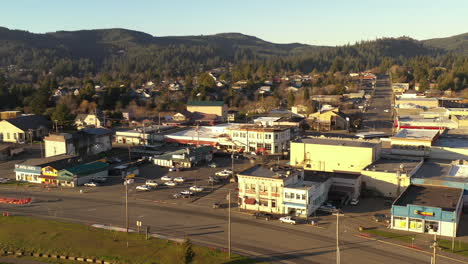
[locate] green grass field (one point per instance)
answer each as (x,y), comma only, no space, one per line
(460,248)
(53,237)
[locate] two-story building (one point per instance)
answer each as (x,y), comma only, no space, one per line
(24,128)
(305,197)
(255,138)
(261,188)
(218,108)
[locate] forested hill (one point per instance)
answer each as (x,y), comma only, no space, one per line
(77,52)
(457,43)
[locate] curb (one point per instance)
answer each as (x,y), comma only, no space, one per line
(52,256)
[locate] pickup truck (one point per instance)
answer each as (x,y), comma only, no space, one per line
(288,220)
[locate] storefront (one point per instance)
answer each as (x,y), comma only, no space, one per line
(28,173)
(428,209)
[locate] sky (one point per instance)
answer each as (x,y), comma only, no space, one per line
(315,22)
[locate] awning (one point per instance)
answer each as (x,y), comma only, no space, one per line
(251,201)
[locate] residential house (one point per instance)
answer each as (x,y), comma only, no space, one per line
(24,128)
(89,120)
(86,142)
(332,119)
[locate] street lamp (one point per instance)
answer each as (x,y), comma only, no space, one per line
(337,213)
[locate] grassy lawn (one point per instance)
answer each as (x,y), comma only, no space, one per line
(460,248)
(37,235)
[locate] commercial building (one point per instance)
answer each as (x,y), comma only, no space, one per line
(61,170)
(200,135)
(390,177)
(185,158)
(418,122)
(428,209)
(305,197)
(451,145)
(24,128)
(218,108)
(143,135)
(88,141)
(334,154)
(414,142)
(261,188)
(255,138)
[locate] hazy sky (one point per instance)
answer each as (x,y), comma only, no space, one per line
(324,22)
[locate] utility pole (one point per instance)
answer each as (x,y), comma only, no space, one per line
(229,225)
(337,213)
(434,247)
(126,205)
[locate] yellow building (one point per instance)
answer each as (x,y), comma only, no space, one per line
(334,154)
(261,188)
(462,120)
(23,128)
(328,120)
(389,177)
(209,107)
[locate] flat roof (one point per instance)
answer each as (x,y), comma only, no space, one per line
(321,176)
(393,165)
(452,142)
(432,196)
(442,170)
(252,127)
(417,134)
(268,171)
(337,142)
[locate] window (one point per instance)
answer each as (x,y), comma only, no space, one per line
(399,222)
(273,203)
(276,148)
(303,197)
(259,145)
(267,136)
(286,195)
(298,196)
(415,224)
(8,135)
(259,136)
(247,187)
(268,146)
(276,136)
(252,187)
(263,188)
(274,189)
(263,202)
(14,135)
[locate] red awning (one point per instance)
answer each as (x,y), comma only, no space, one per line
(250,201)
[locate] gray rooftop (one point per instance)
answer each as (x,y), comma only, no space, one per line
(267,171)
(338,142)
(393,165)
(432,196)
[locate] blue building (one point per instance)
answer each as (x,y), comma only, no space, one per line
(428,209)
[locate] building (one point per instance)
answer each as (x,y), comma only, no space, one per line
(88,141)
(334,154)
(200,135)
(218,108)
(143,135)
(81,174)
(89,120)
(327,120)
(414,142)
(428,209)
(451,145)
(419,122)
(461,120)
(185,158)
(31,170)
(390,177)
(413,99)
(255,138)
(24,128)
(305,197)
(261,188)
(9,114)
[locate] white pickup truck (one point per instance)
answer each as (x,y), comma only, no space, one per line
(288,220)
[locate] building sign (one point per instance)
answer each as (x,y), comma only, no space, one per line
(417,212)
(27,169)
(49,171)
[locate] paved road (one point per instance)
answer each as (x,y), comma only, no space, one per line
(376,119)
(266,241)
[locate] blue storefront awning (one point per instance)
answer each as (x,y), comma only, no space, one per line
(295,205)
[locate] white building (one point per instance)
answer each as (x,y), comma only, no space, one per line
(305,197)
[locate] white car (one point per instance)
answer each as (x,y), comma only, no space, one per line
(166,178)
(91,184)
(196,189)
(386,110)
(354,202)
(186,192)
(174,169)
(143,188)
(151,183)
(288,220)
(170,183)
(224,173)
(179,179)
(4,180)
(212,165)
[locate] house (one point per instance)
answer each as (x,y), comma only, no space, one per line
(332,119)
(218,108)
(9,114)
(86,142)
(334,154)
(185,158)
(183,116)
(24,128)
(89,120)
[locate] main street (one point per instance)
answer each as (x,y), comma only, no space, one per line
(378,116)
(265,241)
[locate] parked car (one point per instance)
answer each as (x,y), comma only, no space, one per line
(4,180)
(100,179)
(212,165)
(196,188)
(381,218)
(170,183)
(179,179)
(151,183)
(166,178)
(386,110)
(186,192)
(174,169)
(224,173)
(214,179)
(176,195)
(288,220)
(91,184)
(113,160)
(216,205)
(326,207)
(143,188)
(261,215)
(354,202)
